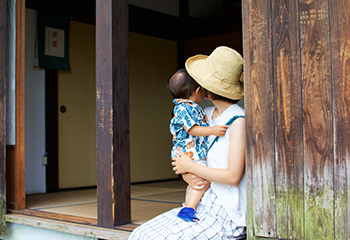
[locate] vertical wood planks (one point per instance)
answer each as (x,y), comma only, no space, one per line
(340,40)
(3,20)
(318,119)
(288,125)
(261,94)
(248,116)
(112,110)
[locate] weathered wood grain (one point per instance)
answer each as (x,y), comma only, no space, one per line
(261,107)
(248,116)
(288,121)
(20,107)
(3,20)
(112,110)
(318,119)
(104,114)
(340,40)
(121,111)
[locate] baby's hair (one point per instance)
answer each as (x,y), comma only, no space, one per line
(214,96)
(181,84)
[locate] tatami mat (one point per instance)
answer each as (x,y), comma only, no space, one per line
(147,200)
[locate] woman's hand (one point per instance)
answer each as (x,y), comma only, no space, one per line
(181,164)
(194,181)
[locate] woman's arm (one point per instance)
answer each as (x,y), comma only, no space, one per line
(236,160)
(194,181)
(199,131)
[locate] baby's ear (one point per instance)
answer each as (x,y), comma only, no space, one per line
(198,91)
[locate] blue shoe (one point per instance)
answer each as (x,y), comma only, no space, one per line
(188,215)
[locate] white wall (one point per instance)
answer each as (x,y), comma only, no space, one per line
(34,112)
(11,73)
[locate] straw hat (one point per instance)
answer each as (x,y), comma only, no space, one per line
(221,72)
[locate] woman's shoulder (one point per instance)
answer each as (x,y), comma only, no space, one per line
(237,110)
(209,110)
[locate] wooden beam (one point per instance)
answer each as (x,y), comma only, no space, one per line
(20,107)
(68,218)
(112,110)
(340,29)
(148,22)
(68,227)
(3,50)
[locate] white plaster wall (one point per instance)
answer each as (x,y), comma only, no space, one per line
(11,73)
(23,232)
(34,112)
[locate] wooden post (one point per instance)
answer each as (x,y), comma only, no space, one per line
(112,110)
(3,30)
(19,170)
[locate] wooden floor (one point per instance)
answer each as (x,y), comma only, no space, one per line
(147,200)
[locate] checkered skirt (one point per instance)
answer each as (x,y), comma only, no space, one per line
(214,224)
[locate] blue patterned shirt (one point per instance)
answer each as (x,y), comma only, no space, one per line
(187,114)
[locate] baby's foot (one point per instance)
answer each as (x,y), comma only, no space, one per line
(188,214)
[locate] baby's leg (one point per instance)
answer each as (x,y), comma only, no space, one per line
(195,196)
(187,213)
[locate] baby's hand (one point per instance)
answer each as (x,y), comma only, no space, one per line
(219,130)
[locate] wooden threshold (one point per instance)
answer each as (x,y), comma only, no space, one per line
(68,218)
(67,227)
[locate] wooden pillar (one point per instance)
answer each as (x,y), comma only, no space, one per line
(19,151)
(3,20)
(112,110)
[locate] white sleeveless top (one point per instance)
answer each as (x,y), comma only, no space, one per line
(233,199)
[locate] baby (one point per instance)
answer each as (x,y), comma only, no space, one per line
(190,131)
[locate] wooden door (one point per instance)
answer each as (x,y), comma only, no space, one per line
(297,109)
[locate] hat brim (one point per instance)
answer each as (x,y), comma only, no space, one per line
(195,66)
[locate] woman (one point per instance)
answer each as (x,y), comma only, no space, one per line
(222,209)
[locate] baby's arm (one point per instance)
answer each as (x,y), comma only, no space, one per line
(199,131)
